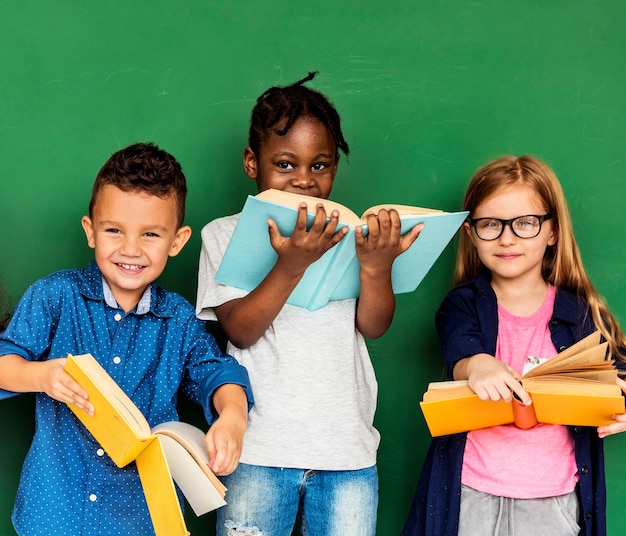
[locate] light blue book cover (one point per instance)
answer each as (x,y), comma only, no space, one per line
(335,276)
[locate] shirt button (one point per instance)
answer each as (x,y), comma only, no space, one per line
(117,317)
(100,452)
(117,360)
(93,497)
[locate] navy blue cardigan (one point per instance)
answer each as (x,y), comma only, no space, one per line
(467,322)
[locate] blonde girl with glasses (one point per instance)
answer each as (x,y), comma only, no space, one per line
(521,291)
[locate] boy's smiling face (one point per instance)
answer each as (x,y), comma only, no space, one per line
(133,233)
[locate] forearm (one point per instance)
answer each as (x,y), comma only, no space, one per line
(246,319)
(376,304)
(18,374)
(230,401)
(460,371)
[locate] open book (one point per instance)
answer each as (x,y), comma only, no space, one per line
(171,450)
(335,276)
(575,387)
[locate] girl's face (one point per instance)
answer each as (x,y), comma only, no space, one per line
(510,258)
(303,161)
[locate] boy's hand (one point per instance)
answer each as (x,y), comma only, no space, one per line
(383,243)
(620,420)
(51,378)
(23,376)
(491,379)
(224,440)
(305,247)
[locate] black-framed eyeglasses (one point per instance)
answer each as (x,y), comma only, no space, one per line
(523,226)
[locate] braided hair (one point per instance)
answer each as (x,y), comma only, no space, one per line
(281,106)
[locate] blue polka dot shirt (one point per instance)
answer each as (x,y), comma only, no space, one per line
(69,486)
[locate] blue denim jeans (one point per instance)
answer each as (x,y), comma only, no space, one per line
(267,501)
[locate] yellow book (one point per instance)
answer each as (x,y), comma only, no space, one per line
(171,451)
(575,387)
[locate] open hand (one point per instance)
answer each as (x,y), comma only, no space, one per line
(383,243)
(304,246)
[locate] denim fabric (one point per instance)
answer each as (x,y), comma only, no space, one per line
(267,501)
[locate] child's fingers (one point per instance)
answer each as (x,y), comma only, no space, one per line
(521,393)
(211,449)
(614,428)
(407,239)
(224,452)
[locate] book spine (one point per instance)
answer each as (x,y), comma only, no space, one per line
(523,416)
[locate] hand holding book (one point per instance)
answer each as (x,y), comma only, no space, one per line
(335,274)
(576,387)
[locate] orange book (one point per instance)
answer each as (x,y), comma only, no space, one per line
(575,387)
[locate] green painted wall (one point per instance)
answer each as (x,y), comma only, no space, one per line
(427,91)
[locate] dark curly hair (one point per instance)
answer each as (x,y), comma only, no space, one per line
(286,104)
(143,167)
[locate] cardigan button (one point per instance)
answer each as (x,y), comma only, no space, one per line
(585,470)
(588,515)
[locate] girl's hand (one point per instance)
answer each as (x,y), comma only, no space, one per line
(620,420)
(304,246)
(491,379)
(383,243)
(51,378)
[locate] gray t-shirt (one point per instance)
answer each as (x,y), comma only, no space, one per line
(312,378)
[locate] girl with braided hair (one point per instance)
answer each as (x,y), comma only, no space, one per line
(310,448)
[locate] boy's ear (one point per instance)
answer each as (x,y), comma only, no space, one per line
(88,228)
(250,163)
(182,237)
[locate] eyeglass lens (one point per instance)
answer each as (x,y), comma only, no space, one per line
(523,227)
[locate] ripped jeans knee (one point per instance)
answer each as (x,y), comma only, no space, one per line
(235,529)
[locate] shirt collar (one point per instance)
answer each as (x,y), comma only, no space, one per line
(95,287)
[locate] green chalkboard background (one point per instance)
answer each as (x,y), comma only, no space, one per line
(427,91)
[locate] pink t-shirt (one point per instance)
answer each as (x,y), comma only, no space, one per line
(510,462)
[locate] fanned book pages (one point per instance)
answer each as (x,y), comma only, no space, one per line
(171,450)
(575,387)
(335,276)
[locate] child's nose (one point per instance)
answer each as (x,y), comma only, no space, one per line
(303,178)
(130,247)
(507,234)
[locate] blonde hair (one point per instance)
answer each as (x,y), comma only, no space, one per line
(562,263)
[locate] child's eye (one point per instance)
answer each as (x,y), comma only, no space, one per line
(285,165)
(489,224)
(112,230)
(152,235)
(319,166)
